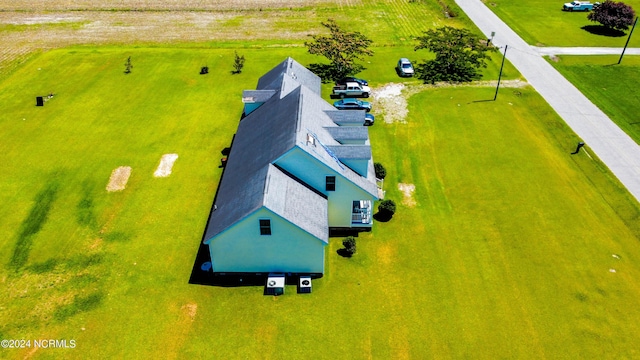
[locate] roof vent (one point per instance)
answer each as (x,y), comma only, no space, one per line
(311,140)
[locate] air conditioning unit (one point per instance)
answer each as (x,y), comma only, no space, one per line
(304,285)
(275,285)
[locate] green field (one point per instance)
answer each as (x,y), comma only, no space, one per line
(543,23)
(612,87)
(506,253)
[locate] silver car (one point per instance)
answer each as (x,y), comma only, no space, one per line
(404,67)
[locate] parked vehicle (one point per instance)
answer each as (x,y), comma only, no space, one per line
(369,119)
(352,104)
(344,81)
(351,89)
(404,67)
(579,6)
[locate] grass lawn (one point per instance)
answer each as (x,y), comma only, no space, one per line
(611,87)
(506,253)
(543,23)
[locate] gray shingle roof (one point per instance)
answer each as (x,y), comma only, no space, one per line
(346,117)
(348,133)
(274,79)
(293,201)
(257,95)
(352,151)
(271,188)
(314,118)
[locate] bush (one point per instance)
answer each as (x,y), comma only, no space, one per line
(128,66)
(387,207)
(238,63)
(349,246)
(381,172)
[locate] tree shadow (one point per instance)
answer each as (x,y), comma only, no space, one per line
(344,253)
(382,216)
(325,71)
(344,232)
(603,30)
(329,73)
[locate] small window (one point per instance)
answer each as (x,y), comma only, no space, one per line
(331,183)
(265,227)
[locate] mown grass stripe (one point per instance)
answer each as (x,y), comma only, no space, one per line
(33,223)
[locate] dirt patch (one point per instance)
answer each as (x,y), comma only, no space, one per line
(407,191)
(190,310)
(96,243)
(165,166)
(156,5)
(43,19)
(391,102)
(31,352)
(119,178)
(392,99)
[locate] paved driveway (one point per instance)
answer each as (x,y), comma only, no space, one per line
(614,147)
(585,51)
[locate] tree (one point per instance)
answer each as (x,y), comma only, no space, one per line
(128,66)
(459,55)
(342,48)
(613,15)
(238,63)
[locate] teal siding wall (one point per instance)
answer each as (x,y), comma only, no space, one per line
(241,248)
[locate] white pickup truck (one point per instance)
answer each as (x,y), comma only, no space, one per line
(351,90)
(579,6)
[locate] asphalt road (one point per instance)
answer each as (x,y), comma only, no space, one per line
(613,146)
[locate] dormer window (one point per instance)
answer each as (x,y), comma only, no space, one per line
(265,227)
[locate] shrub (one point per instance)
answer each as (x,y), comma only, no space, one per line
(128,66)
(349,246)
(238,63)
(381,172)
(387,207)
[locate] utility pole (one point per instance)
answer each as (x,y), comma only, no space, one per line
(629,38)
(500,76)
